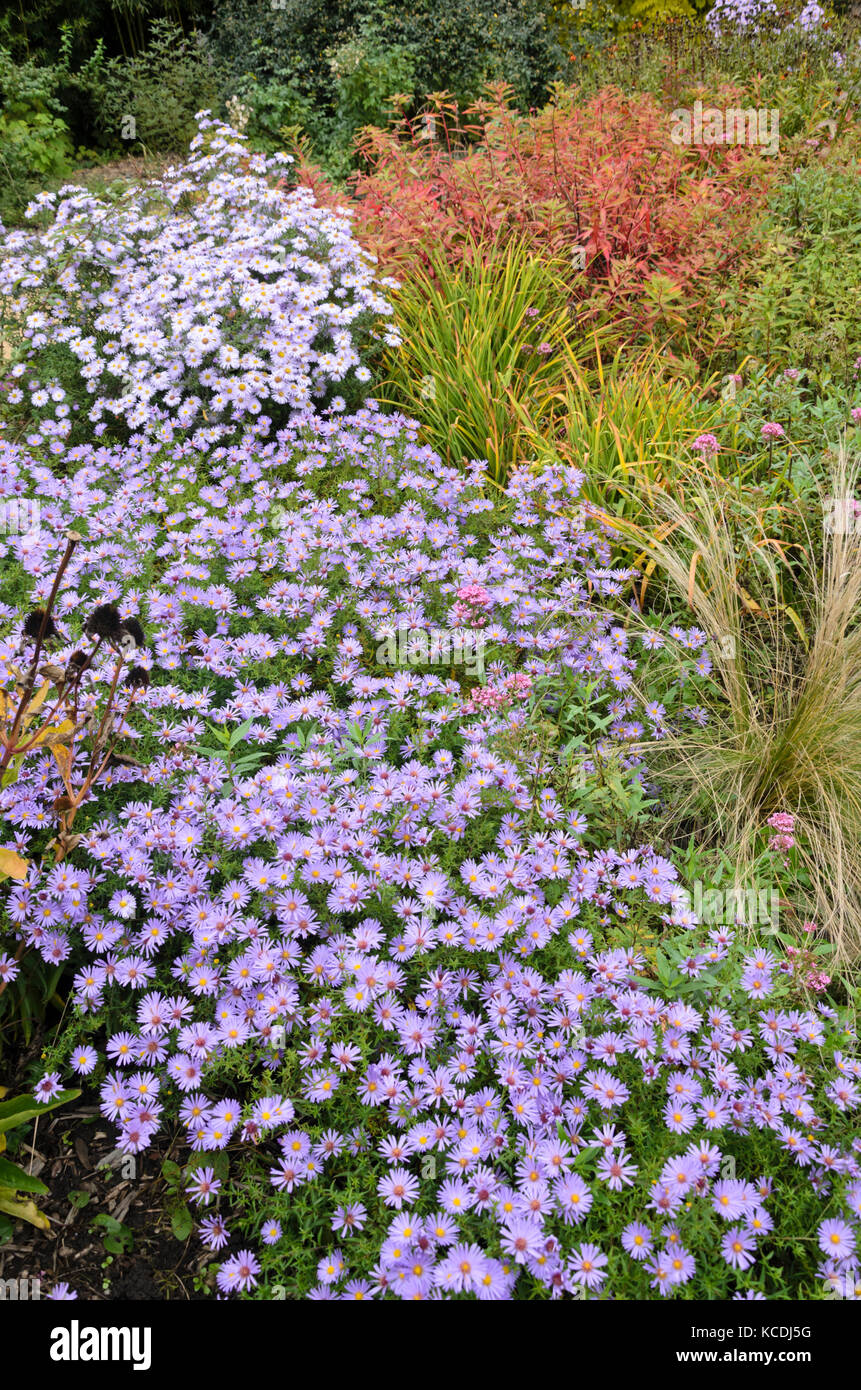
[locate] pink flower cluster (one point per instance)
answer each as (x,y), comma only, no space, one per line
(784,825)
(471,599)
(802,966)
(706,444)
(494,697)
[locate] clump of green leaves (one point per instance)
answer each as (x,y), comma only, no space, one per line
(18,1188)
(227,747)
(804,308)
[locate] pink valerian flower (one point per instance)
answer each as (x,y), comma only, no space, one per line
(771,430)
(802,965)
(472,600)
(784,825)
(817,980)
(496,697)
(706,444)
(475,595)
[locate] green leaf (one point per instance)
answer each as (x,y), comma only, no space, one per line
(239,734)
(22,1210)
(663,968)
(171,1172)
(23,1108)
(182,1223)
(218,1162)
(13,1176)
(117,1237)
(249,761)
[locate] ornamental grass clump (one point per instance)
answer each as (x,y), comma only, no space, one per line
(620,423)
(784,733)
(485,350)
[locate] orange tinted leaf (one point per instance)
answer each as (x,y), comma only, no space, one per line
(12,865)
(64,763)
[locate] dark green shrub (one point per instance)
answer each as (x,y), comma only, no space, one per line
(338,65)
(458,47)
(152,98)
(32,29)
(805,305)
(35,144)
(285,41)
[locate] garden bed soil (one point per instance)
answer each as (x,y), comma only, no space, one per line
(73,1154)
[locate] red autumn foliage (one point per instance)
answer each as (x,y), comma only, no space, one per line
(660,225)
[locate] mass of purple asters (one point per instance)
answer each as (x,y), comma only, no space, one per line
(358,898)
(396,889)
(192,303)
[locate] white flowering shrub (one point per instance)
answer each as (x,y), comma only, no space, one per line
(192,303)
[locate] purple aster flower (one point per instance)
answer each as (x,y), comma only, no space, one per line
(204,1186)
(270,1232)
(213,1232)
(637,1240)
(239,1273)
(736,1247)
(48,1087)
(836,1239)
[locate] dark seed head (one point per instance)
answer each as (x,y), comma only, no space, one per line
(134,629)
(138,678)
(105,621)
(77,664)
(33,625)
